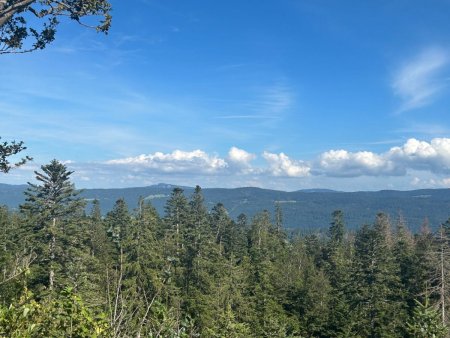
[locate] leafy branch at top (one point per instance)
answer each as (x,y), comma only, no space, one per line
(17,36)
(11,149)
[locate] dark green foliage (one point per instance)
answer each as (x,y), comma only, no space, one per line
(16,255)
(54,196)
(200,273)
(16,36)
(403,251)
(337,229)
(10,149)
(140,276)
(426,322)
(118,222)
(377,299)
(176,222)
(48,207)
(337,265)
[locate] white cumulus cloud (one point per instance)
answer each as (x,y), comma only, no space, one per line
(433,156)
(281,165)
(344,163)
(421,155)
(176,161)
(414,155)
(240,157)
(417,163)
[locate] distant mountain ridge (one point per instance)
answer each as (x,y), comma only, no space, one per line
(304,209)
(318,190)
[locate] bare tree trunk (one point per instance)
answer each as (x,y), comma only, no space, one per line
(2,4)
(21,265)
(51,274)
(6,13)
(117,316)
(442,278)
(144,317)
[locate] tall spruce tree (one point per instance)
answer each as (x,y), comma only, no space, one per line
(202,265)
(49,204)
(145,273)
(337,263)
(176,219)
(119,223)
(269,319)
(425,267)
(377,305)
(403,250)
(175,225)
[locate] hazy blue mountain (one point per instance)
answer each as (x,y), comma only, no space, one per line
(317,190)
(305,209)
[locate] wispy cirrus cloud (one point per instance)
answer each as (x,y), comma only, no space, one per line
(278,98)
(244,117)
(420,79)
(269,102)
(426,129)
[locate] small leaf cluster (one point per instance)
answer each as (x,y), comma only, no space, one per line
(8,149)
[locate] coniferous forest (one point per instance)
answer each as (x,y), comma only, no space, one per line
(327,98)
(198,273)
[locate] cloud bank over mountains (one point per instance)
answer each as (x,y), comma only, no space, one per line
(411,165)
(177,161)
(433,156)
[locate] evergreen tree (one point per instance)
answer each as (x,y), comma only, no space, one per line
(425,263)
(144,277)
(9,149)
(377,304)
(176,221)
(118,220)
(197,238)
(426,322)
(221,227)
(119,224)
(16,255)
(278,217)
(403,250)
(337,266)
(203,266)
(269,316)
(49,205)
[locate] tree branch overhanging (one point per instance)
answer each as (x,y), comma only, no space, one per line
(10,149)
(17,35)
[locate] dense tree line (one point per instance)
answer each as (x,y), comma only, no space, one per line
(194,272)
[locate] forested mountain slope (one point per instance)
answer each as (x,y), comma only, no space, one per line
(194,273)
(309,209)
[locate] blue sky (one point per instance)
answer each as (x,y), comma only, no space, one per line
(278,94)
